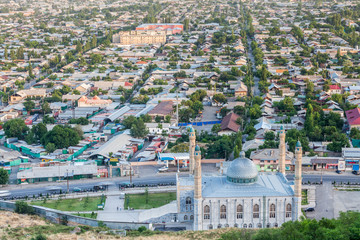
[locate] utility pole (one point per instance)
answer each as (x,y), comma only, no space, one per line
(67,179)
(177,108)
(130,174)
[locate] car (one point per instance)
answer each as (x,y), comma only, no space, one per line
(77,189)
(338,171)
(309,209)
(163,169)
(355,172)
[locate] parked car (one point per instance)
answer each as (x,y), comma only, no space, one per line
(355,172)
(310,209)
(338,171)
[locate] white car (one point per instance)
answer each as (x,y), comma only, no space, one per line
(163,169)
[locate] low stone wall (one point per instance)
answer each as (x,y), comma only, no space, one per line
(59,217)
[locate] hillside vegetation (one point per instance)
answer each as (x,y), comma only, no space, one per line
(346,227)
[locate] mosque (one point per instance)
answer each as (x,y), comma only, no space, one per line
(243,198)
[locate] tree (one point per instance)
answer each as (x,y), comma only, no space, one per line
(6,53)
(61,136)
(15,128)
(128,121)
(236,152)
(20,53)
(157,119)
(23,208)
(220,98)
(167,118)
(48,120)
(269,135)
(50,147)
(4,176)
(29,105)
(138,129)
(255,112)
(45,107)
(216,128)
(39,130)
(355,133)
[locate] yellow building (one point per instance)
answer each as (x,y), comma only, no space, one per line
(140,37)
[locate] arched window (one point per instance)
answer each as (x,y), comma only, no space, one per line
(268,225)
(185,218)
(272,210)
(206,212)
(276,225)
(288,210)
(210,226)
(188,204)
(236,225)
(259,225)
(223,212)
(191,217)
(226,225)
(219,226)
(250,225)
(239,211)
(256,211)
(245,226)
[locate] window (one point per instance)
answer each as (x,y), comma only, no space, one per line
(191,217)
(210,226)
(226,225)
(245,226)
(188,204)
(276,225)
(223,212)
(288,210)
(256,211)
(185,218)
(259,225)
(206,212)
(268,225)
(250,225)
(239,211)
(272,210)
(236,225)
(219,226)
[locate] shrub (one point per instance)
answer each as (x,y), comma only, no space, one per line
(23,208)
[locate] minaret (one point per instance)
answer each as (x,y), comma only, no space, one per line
(191,150)
(298,180)
(282,149)
(197,190)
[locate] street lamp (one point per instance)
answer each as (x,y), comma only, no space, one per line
(67,179)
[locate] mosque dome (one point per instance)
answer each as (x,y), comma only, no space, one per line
(242,170)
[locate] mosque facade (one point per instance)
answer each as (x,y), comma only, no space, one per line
(243,197)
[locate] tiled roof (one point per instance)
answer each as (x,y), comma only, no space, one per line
(353,116)
(229,122)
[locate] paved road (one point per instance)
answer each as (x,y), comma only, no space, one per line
(255,88)
(170,178)
(324,201)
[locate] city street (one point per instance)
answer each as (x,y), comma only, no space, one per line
(159,178)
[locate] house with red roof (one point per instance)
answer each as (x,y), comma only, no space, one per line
(229,125)
(353,117)
(334,89)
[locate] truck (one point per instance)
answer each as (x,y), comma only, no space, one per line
(355,169)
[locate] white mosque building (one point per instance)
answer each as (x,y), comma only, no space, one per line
(243,198)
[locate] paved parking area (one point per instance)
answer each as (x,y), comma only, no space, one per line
(346,201)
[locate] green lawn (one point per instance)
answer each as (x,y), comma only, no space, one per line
(154,200)
(304,199)
(71,205)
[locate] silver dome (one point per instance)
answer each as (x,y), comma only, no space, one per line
(242,170)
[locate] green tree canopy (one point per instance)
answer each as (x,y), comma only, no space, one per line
(16,128)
